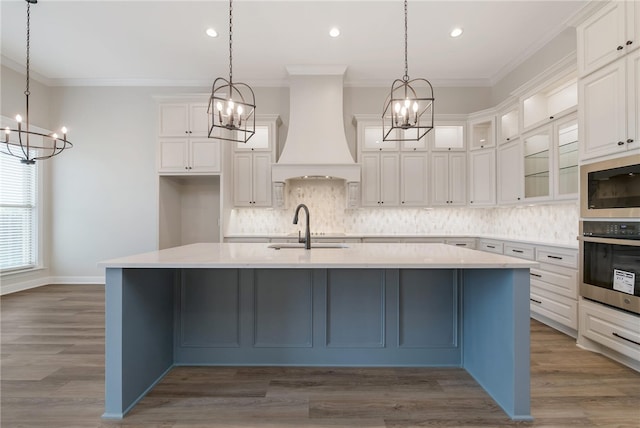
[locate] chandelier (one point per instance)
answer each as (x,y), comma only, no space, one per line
(231,105)
(23,143)
(408,110)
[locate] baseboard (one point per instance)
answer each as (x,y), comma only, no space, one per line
(76,280)
(39,282)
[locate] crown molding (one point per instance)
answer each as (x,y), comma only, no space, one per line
(22,69)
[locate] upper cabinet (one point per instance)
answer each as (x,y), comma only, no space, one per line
(508,124)
(183,146)
(610,33)
(509,174)
(183,120)
(449,136)
(482,177)
(549,102)
(371,138)
(482,132)
(566,180)
(608,114)
(448,179)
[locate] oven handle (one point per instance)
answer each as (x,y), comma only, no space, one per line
(624,338)
(628,242)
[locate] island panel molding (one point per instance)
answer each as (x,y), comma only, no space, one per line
(485,292)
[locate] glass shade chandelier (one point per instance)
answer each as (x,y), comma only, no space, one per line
(23,143)
(408,110)
(232,105)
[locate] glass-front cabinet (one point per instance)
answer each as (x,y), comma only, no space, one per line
(537,164)
(566,134)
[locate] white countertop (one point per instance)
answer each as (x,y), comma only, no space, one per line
(357,255)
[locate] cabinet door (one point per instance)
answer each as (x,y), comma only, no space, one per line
(566,164)
(389,179)
(600,36)
(440,179)
(370,180)
(174,120)
(243,180)
(536,147)
(449,137)
(603,111)
(262,179)
(172,156)
(482,177)
(260,141)
(372,139)
(413,180)
(198,120)
(482,134)
(509,125)
(510,172)
(458,178)
(633,98)
(205,155)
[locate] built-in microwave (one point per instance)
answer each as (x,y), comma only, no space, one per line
(611,188)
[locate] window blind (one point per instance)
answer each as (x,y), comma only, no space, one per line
(18,214)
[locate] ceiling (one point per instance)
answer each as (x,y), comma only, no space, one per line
(145,42)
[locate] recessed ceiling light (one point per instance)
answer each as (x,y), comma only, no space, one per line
(334,32)
(456,32)
(211,32)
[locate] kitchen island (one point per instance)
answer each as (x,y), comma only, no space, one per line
(418,305)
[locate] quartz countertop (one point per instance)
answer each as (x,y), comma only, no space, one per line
(356,255)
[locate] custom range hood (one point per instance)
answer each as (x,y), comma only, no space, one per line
(316,145)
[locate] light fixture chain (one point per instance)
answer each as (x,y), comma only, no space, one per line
(406,61)
(230,41)
(27,92)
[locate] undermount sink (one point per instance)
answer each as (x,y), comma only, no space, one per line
(313,245)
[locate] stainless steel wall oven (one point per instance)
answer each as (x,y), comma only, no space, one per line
(610,263)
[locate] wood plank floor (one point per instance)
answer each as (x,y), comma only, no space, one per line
(52,375)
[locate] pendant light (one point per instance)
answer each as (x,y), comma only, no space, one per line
(23,143)
(408,110)
(231,105)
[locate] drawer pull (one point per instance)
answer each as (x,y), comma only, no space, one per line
(539,302)
(624,338)
(535,274)
(491,246)
(555,257)
(461,245)
(518,251)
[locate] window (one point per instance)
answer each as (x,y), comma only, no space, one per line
(18,214)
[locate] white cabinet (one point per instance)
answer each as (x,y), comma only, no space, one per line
(536,150)
(380,179)
(371,138)
(413,179)
(508,125)
(482,133)
(448,178)
(510,188)
(616,330)
(252,185)
(449,136)
(482,177)
(607,35)
(188,156)
(565,177)
(549,102)
(183,120)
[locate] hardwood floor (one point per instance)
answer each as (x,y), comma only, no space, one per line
(52,375)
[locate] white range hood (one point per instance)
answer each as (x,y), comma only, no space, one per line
(316,145)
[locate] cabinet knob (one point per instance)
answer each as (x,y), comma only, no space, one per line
(518,198)
(403,202)
(471,201)
(482,147)
(619,48)
(508,139)
(630,140)
(186,167)
(186,132)
(550,117)
(620,143)
(414,149)
(448,148)
(629,42)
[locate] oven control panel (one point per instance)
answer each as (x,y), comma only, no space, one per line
(611,229)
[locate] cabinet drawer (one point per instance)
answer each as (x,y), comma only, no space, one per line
(462,242)
(491,246)
(554,306)
(555,279)
(518,250)
(568,258)
(614,329)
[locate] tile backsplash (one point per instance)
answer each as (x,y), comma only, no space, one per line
(326,199)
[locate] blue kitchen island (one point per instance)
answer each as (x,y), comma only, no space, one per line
(413,305)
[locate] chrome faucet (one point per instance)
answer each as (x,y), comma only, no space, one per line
(307,234)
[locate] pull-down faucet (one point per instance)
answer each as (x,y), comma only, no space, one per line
(307,233)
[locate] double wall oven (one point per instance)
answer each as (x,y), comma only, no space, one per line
(610,232)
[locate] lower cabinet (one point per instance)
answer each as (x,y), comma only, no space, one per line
(563,310)
(462,242)
(616,330)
